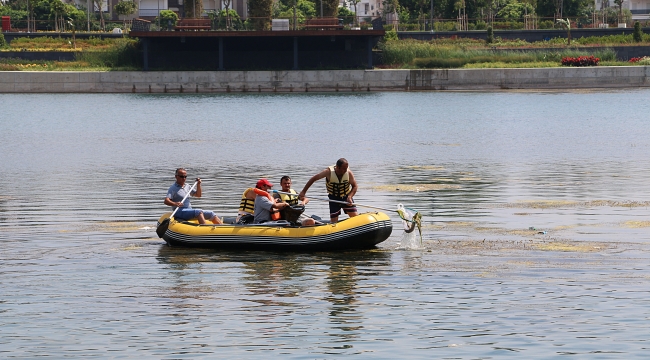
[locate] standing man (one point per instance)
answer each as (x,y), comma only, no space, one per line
(177,192)
(264,205)
(341,186)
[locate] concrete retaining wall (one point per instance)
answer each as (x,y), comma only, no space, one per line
(326,80)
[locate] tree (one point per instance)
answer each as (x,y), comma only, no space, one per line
(193,8)
(100,5)
(620,9)
(330,8)
(514,10)
(226,4)
(124,9)
(57,8)
(260,12)
(356,17)
(571,8)
(347,15)
(220,19)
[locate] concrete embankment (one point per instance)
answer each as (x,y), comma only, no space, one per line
(324,80)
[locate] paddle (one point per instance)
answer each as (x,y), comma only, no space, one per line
(162,228)
(406,214)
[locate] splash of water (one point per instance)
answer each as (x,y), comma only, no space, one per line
(410,241)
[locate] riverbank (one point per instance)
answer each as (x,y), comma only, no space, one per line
(323,81)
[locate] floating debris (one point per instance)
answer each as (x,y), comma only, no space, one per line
(414,187)
(552,204)
(423,167)
(560,246)
(636,224)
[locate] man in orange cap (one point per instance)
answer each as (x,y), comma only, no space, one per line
(265,204)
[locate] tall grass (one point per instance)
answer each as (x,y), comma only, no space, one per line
(58,43)
(449,56)
(122,54)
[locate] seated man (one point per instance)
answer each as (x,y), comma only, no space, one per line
(177,192)
(264,205)
(246,206)
(285,183)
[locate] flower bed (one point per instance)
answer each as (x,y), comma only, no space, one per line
(580,61)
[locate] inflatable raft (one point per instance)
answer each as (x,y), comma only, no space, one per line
(363,231)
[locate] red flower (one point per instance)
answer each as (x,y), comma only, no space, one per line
(580,61)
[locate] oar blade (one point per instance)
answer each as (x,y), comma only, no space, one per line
(162,228)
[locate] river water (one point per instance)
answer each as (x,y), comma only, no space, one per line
(536,236)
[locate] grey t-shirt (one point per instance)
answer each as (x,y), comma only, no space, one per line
(176,193)
(262,209)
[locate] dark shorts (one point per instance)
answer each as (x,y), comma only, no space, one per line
(335,208)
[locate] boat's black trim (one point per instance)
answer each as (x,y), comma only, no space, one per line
(362,237)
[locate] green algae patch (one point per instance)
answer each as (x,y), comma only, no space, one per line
(459,224)
(636,224)
(566,247)
(131,247)
(555,204)
(547,204)
(116,226)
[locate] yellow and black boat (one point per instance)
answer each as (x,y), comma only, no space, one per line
(363,231)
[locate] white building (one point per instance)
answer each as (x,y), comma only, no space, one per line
(640,8)
(365,8)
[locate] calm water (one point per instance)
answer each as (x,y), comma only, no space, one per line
(536,237)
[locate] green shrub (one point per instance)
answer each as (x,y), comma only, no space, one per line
(508,25)
(638,34)
(546,24)
(3,43)
(444,25)
(490,35)
(166,17)
(391,35)
(125,8)
(481,25)
(409,27)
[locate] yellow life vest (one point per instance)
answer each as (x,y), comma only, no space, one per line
(247,205)
(289,199)
(338,187)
